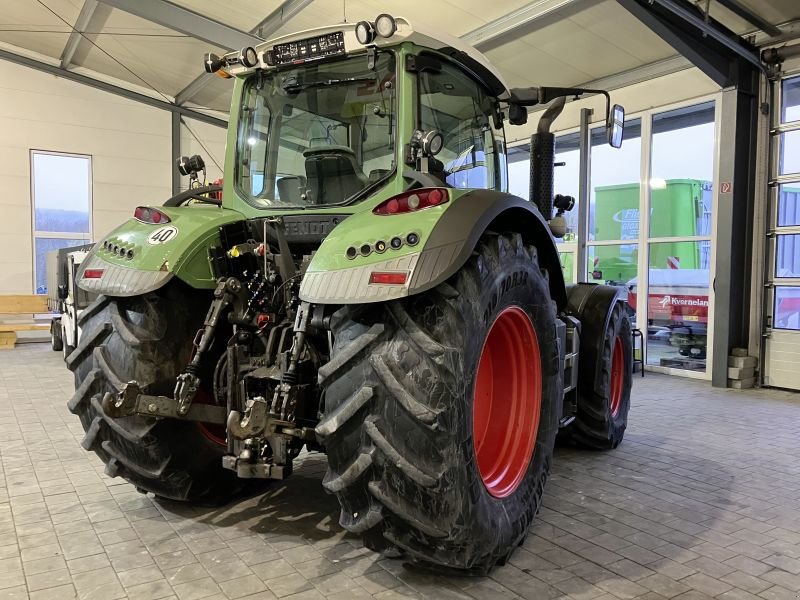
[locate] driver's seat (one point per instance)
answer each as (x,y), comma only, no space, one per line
(333,174)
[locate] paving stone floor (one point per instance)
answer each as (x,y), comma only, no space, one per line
(701,500)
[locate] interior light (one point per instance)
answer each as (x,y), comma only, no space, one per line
(385,25)
(251,141)
(656,183)
(365,33)
(249,57)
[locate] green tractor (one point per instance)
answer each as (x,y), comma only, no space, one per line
(361,285)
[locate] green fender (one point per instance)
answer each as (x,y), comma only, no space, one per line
(447,234)
(137,257)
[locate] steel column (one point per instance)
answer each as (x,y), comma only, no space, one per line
(176,151)
(584,193)
(735,212)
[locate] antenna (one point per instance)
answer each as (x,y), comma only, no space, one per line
(344,10)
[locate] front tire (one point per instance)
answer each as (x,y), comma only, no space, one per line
(407,426)
(604,388)
(147,339)
(56,337)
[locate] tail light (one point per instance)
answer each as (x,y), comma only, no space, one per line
(412,201)
(388,278)
(93,273)
(153,216)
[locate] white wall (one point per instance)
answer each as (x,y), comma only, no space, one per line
(128,141)
(206,140)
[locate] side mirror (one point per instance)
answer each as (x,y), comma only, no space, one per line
(62,292)
(616,125)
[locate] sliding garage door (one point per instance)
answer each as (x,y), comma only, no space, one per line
(782,347)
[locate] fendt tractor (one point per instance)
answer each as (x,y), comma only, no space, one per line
(365,288)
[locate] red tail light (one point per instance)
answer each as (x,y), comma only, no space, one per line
(391,278)
(412,201)
(147,214)
(93,273)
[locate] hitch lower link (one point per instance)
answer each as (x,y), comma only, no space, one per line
(131,401)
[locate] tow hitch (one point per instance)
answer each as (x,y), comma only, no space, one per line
(131,401)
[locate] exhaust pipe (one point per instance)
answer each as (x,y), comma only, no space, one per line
(543,148)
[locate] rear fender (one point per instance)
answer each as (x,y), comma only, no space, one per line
(448,236)
(592,304)
(137,258)
(458,231)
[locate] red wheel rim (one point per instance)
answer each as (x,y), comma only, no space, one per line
(507,402)
(215,433)
(617,376)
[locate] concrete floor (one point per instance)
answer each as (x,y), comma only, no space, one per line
(701,500)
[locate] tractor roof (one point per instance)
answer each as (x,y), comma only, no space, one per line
(459,51)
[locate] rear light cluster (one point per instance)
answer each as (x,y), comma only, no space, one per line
(118,249)
(153,216)
(395,243)
(413,201)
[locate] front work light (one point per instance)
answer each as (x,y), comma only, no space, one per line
(365,33)
(385,25)
(249,57)
(212,62)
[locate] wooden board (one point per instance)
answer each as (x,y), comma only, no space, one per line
(23,304)
(24,327)
(7,340)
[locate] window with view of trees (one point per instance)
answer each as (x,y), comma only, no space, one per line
(61,199)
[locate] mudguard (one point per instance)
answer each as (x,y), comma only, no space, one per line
(591,304)
(137,258)
(447,234)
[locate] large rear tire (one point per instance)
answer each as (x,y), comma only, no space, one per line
(441,411)
(604,388)
(147,339)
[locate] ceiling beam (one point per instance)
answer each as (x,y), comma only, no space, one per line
(86,14)
(265,28)
(748,15)
(722,55)
(513,21)
(109,87)
(183,20)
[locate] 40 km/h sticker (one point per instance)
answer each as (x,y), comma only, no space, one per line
(163,235)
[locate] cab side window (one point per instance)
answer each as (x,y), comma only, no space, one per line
(473,154)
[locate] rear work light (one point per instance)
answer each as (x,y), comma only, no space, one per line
(390,278)
(412,201)
(149,215)
(93,273)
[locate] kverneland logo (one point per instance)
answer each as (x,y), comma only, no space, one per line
(683,301)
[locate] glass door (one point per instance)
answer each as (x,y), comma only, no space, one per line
(679,237)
